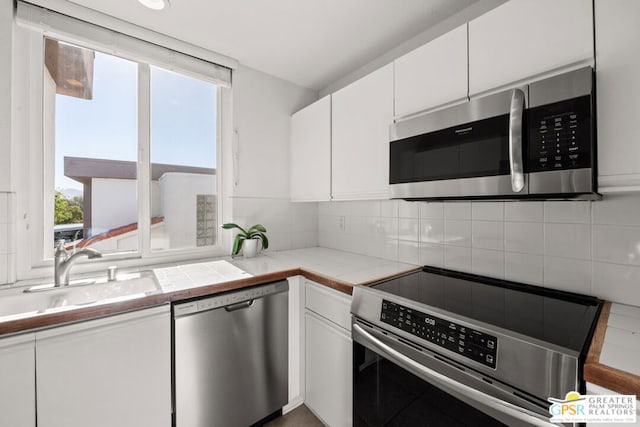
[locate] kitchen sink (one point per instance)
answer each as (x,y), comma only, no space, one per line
(44,299)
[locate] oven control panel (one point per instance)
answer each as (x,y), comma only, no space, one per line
(475,345)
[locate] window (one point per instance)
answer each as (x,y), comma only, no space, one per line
(127,157)
(96,142)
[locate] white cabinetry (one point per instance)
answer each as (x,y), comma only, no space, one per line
(522,38)
(432,75)
(108,372)
(311,152)
(17,384)
(618,62)
(361,114)
(328,355)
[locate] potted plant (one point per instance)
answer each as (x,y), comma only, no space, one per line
(248,238)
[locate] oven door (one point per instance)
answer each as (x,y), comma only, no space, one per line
(396,384)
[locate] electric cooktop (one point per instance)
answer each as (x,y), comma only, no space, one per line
(560,318)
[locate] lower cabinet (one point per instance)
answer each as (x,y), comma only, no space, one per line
(17,381)
(328,355)
(114,371)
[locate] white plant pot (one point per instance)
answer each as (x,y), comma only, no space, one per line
(250,248)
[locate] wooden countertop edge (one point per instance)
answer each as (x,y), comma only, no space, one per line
(88,313)
(606,376)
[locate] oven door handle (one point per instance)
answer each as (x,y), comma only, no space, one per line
(515,140)
(437,378)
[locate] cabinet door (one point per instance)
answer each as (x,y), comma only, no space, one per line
(311,152)
(522,38)
(618,62)
(432,75)
(328,362)
(17,387)
(109,372)
(361,114)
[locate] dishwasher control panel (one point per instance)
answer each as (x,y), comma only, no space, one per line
(458,338)
(230,298)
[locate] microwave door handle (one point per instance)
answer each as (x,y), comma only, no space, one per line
(515,140)
(430,375)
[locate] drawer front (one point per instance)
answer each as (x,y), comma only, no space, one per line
(328,303)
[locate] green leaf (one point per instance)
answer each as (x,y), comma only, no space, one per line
(237,244)
(265,241)
(257,227)
(230,225)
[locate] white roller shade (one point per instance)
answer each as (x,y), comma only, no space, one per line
(59,26)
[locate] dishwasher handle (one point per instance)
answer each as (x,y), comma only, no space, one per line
(239,306)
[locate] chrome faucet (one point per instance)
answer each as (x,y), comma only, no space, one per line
(63,262)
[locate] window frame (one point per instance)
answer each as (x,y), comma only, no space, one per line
(38,162)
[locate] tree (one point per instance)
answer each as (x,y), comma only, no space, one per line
(65,211)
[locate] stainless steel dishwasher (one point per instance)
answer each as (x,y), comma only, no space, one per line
(231,357)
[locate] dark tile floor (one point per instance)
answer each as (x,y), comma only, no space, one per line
(299,417)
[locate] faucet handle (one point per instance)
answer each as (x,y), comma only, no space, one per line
(60,247)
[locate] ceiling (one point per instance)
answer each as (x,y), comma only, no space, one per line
(308,42)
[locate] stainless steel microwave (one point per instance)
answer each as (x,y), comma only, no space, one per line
(536,141)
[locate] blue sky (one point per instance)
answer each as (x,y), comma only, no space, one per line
(183,119)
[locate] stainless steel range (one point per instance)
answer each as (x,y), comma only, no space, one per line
(437,347)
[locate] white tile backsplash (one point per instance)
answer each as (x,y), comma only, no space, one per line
(615,282)
(567,212)
(487,235)
(409,252)
(525,268)
(487,262)
(432,254)
(457,258)
(567,240)
(432,210)
(431,230)
(524,211)
(572,275)
(487,211)
(457,211)
(457,233)
(289,225)
(408,209)
(586,247)
(616,244)
(617,209)
(527,237)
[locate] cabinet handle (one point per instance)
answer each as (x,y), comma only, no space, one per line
(515,140)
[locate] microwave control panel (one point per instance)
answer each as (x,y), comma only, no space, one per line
(560,135)
(473,344)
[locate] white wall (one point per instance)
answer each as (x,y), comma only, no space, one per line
(179,193)
(6,39)
(262,106)
(586,247)
(114,203)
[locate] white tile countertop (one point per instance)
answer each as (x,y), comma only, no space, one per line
(622,341)
(344,266)
(180,281)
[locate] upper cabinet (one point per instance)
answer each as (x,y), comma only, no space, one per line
(522,38)
(361,114)
(432,75)
(618,62)
(311,152)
